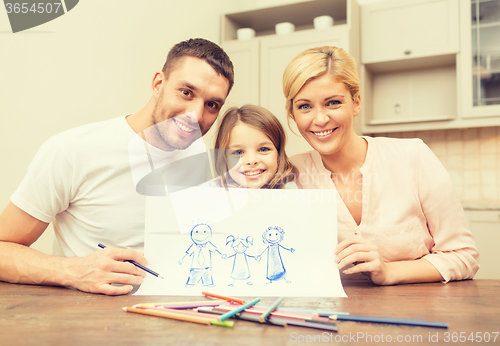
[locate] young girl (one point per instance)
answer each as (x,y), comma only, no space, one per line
(250,150)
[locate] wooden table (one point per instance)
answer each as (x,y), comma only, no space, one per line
(36,315)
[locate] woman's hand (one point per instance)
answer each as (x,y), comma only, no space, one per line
(364,257)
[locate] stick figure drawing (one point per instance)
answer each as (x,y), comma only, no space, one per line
(275,268)
(240,270)
(201,251)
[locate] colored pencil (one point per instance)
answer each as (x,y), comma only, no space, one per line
(175,316)
(245,315)
(312,324)
(277,313)
(403,321)
(241,316)
(319,312)
(185,312)
(229,299)
(178,316)
(182,305)
(138,265)
(241,308)
(266,314)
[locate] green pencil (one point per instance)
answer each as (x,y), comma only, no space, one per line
(241,308)
(266,314)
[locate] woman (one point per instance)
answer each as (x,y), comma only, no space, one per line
(399,220)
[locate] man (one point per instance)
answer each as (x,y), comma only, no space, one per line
(201,249)
(81,180)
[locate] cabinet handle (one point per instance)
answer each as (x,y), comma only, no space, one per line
(407,52)
(397,108)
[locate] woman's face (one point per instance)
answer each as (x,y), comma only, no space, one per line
(324,112)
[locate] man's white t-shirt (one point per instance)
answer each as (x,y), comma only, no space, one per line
(81,181)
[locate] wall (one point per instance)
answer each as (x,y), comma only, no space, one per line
(96,62)
(471,156)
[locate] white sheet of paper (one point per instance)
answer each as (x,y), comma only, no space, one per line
(260,261)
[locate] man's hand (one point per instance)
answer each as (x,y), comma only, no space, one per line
(98,272)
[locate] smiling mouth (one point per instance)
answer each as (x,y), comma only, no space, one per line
(183,127)
(253,173)
(324,133)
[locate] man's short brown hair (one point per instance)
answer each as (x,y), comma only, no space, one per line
(202,49)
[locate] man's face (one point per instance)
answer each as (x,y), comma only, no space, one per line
(187,105)
(201,234)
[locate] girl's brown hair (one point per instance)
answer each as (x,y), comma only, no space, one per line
(262,120)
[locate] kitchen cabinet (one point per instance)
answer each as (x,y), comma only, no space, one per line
(260,62)
(440,69)
(485,227)
(395,30)
(409,72)
(480,61)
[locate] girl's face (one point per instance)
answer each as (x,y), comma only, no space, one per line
(240,247)
(252,157)
(324,112)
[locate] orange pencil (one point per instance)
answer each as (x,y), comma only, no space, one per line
(182,312)
(183,305)
(175,316)
(229,299)
(178,316)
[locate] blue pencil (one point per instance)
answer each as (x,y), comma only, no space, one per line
(390,320)
(138,265)
(310,311)
(239,309)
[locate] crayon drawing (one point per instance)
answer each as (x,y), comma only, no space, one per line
(275,268)
(267,245)
(240,269)
(201,252)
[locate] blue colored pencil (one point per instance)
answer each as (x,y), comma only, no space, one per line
(405,321)
(138,265)
(239,309)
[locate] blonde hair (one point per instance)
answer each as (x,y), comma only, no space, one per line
(316,62)
(264,121)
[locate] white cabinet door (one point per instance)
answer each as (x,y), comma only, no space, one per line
(276,54)
(410,97)
(393,30)
(245,58)
(485,227)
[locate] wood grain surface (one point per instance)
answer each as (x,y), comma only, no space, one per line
(39,315)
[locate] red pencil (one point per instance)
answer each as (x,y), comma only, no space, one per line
(229,299)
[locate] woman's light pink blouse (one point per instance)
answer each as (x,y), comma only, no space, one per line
(409,206)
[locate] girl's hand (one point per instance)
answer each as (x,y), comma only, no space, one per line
(364,257)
